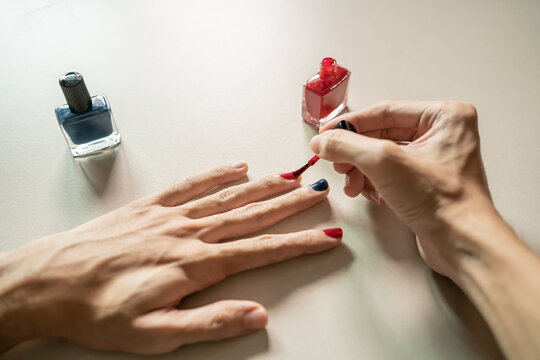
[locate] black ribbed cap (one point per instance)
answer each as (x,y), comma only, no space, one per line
(345,125)
(75,91)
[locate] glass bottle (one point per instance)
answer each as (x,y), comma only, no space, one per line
(86,121)
(325,93)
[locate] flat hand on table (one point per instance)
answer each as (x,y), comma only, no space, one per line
(115,282)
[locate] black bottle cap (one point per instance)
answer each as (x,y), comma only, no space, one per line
(345,125)
(75,91)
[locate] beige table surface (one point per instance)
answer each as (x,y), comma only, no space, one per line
(195,84)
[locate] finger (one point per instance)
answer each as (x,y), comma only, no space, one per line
(386,114)
(241,255)
(240,195)
(394,134)
(374,196)
(373,157)
(371,194)
(199,184)
(260,215)
(354,183)
(342,168)
(216,321)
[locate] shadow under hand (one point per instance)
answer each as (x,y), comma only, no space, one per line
(239,348)
(269,285)
(97,168)
(395,239)
(391,233)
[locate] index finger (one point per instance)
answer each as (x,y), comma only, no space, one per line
(389,114)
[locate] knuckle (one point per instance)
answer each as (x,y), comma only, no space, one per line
(387,115)
(274,246)
(225,195)
(386,103)
(218,172)
(297,196)
(218,323)
(306,237)
(252,209)
(262,216)
(266,241)
(184,227)
(221,222)
(186,183)
(461,112)
(385,152)
(261,213)
(330,142)
(469,111)
(268,183)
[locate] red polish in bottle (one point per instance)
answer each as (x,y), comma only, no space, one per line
(335,233)
(325,93)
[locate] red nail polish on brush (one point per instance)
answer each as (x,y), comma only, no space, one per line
(325,93)
(335,233)
(295,174)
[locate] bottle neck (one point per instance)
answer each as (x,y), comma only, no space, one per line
(328,69)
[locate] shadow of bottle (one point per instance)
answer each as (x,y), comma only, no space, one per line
(97,168)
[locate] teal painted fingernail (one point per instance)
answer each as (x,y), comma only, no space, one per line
(320,185)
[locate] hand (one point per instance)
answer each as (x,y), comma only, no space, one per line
(437,177)
(114,283)
(437,186)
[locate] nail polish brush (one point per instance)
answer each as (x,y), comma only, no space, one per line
(345,125)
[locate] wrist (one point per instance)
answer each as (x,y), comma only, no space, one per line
(14,328)
(497,273)
(468,230)
(25,294)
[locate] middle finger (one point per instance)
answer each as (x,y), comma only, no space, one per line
(239,195)
(260,215)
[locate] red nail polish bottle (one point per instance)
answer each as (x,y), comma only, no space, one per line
(325,93)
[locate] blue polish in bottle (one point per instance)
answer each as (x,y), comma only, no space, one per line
(87,122)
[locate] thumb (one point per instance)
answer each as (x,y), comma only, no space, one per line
(220,320)
(371,156)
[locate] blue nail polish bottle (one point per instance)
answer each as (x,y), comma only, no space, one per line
(86,121)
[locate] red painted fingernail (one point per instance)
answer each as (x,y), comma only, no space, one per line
(335,233)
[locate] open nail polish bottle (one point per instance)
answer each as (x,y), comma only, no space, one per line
(86,121)
(325,93)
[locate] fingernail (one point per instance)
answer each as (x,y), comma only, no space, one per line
(335,233)
(239,165)
(376,197)
(314,143)
(320,185)
(255,319)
